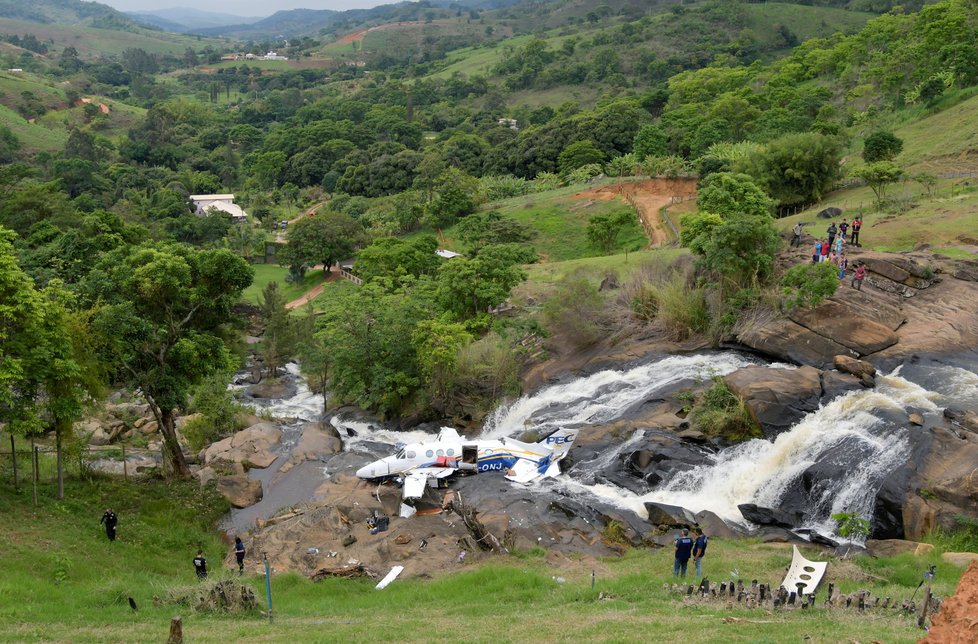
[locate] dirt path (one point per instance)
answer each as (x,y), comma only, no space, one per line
(358,36)
(648,197)
(315,291)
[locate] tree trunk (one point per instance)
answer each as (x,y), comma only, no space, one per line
(169,431)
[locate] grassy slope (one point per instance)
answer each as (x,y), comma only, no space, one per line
(265,273)
(63,581)
(561,221)
(91,42)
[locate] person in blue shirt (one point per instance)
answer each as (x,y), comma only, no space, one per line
(239,554)
(684,547)
(699,549)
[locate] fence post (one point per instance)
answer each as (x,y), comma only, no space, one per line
(13,457)
(34,468)
(125,468)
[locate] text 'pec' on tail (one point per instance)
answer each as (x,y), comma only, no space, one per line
(559,441)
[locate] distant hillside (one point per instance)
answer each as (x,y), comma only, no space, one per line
(184,19)
(66,12)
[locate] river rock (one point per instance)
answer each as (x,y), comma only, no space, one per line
(714,526)
(835,384)
(278,389)
(239,490)
(776,398)
(787,340)
(967,420)
(893,547)
(840,323)
(252,447)
(671,516)
(943,484)
(915,419)
(656,457)
(960,559)
(769,516)
(858,368)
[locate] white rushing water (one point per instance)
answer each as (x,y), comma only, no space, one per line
(304,405)
(606,395)
(849,431)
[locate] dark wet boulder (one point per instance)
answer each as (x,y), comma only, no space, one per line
(830,213)
(769,516)
(714,526)
(672,516)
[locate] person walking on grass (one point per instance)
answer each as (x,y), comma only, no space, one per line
(859,276)
(699,549)
(684,548)
(110,520)
(239,554)
(200,565)
(796,240)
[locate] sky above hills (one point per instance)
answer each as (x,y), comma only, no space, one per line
(248,7)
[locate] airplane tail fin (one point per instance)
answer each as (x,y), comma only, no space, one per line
(559,441)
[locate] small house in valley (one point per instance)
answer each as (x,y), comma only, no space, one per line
(204,205)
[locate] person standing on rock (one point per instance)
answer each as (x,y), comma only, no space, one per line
(832,230)
(796,240)
(843,265)
(825,251)
(200,565)
(857,223)
(239,554)
(858,277)
(817,251)
(699,549)
(843,228)
(684,548)
(110,520)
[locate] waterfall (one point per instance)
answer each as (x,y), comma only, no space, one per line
(606,395)
(851,431)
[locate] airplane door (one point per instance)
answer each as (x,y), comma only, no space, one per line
(470,454)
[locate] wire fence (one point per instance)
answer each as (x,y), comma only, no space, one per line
(24,463)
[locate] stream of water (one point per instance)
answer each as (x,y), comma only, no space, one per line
(859,433)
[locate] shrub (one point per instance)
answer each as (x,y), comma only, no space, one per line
(576,310)
(807,285)
(720,412)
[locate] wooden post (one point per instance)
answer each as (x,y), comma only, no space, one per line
(176,631)
(13,457)
(34,471)
(125,468)
(923,610)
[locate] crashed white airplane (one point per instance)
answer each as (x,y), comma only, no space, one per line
(419,464)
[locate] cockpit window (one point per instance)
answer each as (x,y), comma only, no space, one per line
(400,454)
(411,454)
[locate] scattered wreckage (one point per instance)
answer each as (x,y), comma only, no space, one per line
(420,465)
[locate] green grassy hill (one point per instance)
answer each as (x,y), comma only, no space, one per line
(63,581)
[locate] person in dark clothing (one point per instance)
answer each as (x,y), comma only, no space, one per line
(684,548)
(200,565)
(796,239)
(832,230)
(110,520)
(239,554)
(699,549)
(857,223)
(843,227)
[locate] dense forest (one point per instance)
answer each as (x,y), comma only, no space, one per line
(109,277)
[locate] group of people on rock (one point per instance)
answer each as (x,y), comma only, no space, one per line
(832,248)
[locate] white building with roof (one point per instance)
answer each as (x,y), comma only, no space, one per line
(205,205)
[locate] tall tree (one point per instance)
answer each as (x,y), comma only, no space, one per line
(325,238)
(162,322)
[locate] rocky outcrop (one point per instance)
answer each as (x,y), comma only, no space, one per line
(858,368)
(318,441)
(784,339)
(251,447)
(769,516)
(945,485)
(239,490)
(894,547)
(840,323)
(777,398)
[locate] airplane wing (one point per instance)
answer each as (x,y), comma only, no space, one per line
(415,481)
(523,471)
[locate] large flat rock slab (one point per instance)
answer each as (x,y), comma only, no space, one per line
(843,325)
(777,398)
(787,340)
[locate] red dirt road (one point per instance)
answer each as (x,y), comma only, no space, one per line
(648,197)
